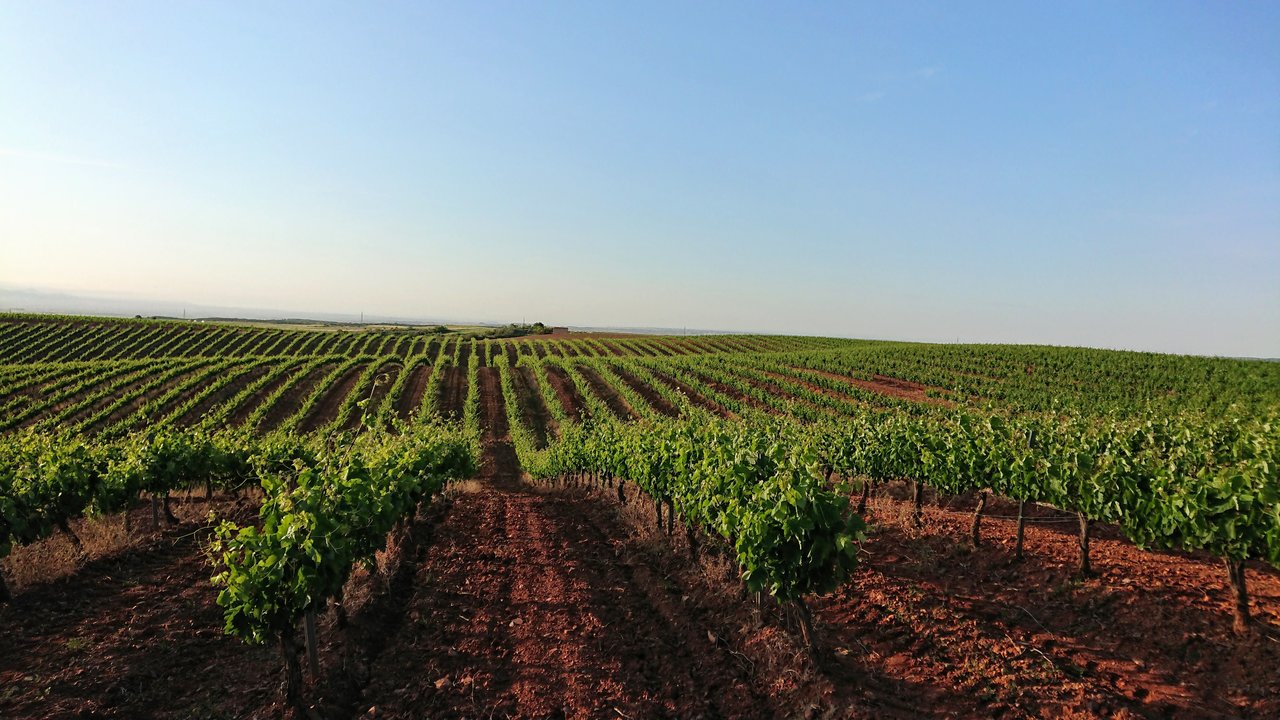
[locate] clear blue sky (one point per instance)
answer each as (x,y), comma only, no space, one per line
(1104,174)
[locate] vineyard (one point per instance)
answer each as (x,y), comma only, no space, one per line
(221,520)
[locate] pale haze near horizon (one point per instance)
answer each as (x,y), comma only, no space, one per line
(1091,174)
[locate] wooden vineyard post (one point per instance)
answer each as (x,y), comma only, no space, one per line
(292,672)
(313,652)
(806,626)
(691,536)
(657,508)
(340,608)
(918,500)
(75,539)
(1085,568)
(1241,621)
(862,501)
(1022,528)
(976,530)
(155,512)
(169,517)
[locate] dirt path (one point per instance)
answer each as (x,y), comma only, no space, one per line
(524,607)
(524,610)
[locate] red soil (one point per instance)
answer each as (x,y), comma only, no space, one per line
(673,347)
(612,400)
(521,603)
(135,635)
(376,394)
(778,392)
(532,409)
(412,393)
(433,348)
(246,408)
(218,347)
(651,396)
(566,392)
(729,391)
(892,387)
(816,388)
(561,333)
(309,347)
(522,608)
(108,378)
(289,403)
(326,410)
(453,391)
(198,411)
(177,400)
(613,348)
(694,396)
(932,624)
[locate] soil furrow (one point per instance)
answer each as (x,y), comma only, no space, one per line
(651,396)
(411,395)
(289,403)
(453,391)
(242,412)
(532,409)
(612,400)
(222,395)
(566,392)
(376,394)
(326,410)
(695,397)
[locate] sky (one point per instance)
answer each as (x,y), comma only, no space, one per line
(1103,174)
